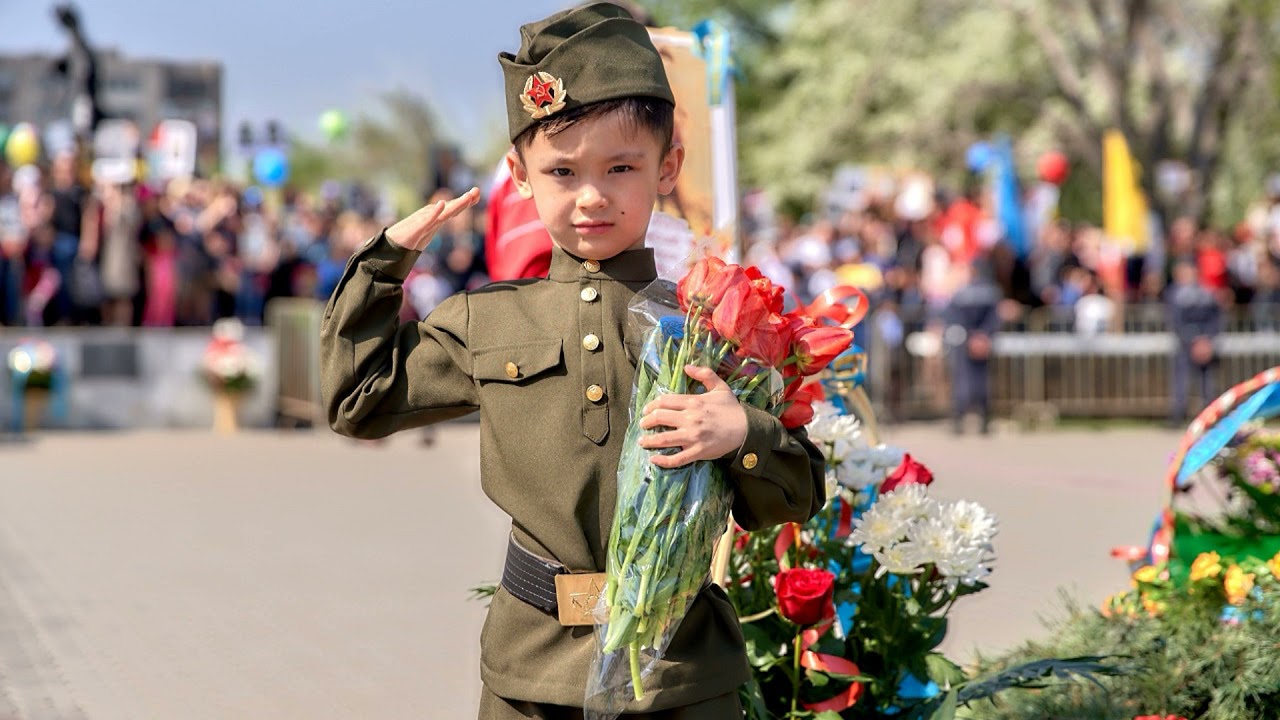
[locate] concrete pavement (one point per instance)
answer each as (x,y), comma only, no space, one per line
(185,575)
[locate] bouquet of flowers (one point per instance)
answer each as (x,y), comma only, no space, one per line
(33,363)
(228,365)
(667,521)
(843,615)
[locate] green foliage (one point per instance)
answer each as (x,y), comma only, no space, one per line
(1185,659)
(912,83)
(392,147)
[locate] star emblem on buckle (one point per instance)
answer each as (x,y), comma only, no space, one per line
(543,95)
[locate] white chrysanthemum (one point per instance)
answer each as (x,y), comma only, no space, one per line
(833,481)
(885,456)
(907,502)
(937,542)
(971,521)
(877,529)
(857,475)
(900,559)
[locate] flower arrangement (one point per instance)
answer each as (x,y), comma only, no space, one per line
(33,363)
(1202,646)
(843,615)
(228,366)
(667,521)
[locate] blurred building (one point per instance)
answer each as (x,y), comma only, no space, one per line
(144,91)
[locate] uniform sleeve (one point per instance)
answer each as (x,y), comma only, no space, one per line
(778,475)
(378,375)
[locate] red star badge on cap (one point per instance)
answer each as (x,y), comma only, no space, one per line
(543,95)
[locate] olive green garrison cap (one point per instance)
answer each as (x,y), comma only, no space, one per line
(577,57)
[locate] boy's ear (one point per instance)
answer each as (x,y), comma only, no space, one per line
(669,172)
(519,174)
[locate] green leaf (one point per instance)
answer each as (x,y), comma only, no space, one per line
(827,715)
(946,711)
(943,671)
(817,679)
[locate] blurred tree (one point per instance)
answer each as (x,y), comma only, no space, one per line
(914,82)
(391,148)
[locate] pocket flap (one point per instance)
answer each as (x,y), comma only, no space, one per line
(516,363)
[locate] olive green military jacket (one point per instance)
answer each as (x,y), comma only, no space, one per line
(549,364)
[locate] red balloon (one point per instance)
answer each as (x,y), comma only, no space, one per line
(1053,167)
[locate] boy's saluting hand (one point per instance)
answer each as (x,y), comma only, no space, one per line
(416,231)
(705,427)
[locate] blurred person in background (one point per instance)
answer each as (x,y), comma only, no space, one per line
(115,230)
(13,243)
(459,248)
(69,198)
(971,322)
(1195,318)
(1265,306)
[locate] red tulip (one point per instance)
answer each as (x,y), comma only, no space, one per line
(770,343)
(909,472)
(805,596)
(799,397)
(741,312)
(797,414)
(816,347)
(763,285)
(706,283)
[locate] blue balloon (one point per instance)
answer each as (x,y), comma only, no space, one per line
(978,156)
(271,167)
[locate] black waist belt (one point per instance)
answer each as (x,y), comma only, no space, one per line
(531,578)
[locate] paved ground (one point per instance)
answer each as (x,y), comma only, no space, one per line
(185,575)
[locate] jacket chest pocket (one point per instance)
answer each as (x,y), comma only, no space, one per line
(518,364)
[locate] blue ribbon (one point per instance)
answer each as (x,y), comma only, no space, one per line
(711,43)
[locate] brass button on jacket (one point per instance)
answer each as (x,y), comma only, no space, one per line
(589,294)
(749,461)
(595,393)
(513,370)
(591,342)
(591,266)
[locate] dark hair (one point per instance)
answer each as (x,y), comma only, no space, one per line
(652,114)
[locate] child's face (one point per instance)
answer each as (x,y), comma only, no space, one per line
(595,184)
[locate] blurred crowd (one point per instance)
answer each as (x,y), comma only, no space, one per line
(78,252)
(912,247)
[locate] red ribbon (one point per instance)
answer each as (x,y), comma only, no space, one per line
(844,527)
(834,305)
(786,537)
(821,662)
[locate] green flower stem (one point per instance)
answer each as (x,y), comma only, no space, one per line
(795,676)
(637,683)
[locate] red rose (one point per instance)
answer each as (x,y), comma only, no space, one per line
(909,472)
(805,596)
(707,281)
(816,347)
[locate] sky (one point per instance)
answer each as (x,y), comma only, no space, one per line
(290,60)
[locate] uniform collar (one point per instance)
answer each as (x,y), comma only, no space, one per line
(629,266)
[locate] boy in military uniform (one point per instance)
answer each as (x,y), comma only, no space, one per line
(549,364)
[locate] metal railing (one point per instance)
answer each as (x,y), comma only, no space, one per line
(1040,366)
